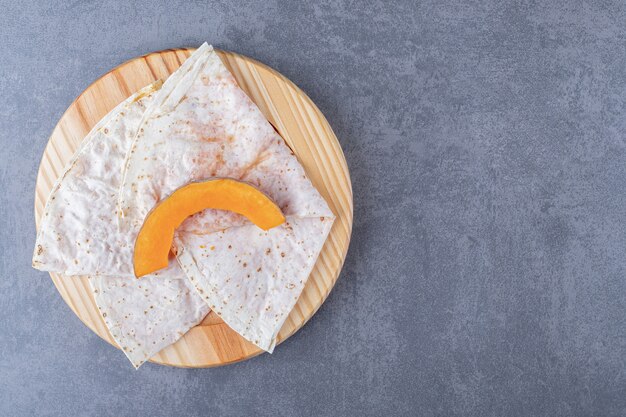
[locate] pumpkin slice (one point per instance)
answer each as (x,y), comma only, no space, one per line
(154,240)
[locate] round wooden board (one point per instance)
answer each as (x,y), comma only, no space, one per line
(300,123)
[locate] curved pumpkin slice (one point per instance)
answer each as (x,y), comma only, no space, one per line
(155,237)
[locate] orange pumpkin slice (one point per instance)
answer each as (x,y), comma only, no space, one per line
(155,237)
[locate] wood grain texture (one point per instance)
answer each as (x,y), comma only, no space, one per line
(300,123)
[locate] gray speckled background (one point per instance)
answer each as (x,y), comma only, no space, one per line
(487,145)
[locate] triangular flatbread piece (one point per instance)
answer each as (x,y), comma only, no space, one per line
(146,315)
(200,126)
(79,235)
(254,289)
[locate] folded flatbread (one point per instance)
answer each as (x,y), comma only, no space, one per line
(146,315)
(79,235)
(201,125)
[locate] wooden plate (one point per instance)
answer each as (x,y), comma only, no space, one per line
(301,124)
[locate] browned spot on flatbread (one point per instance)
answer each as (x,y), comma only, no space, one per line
(219,160)
(211,139)
(261,157)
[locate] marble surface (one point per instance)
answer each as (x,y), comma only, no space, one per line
(486,142)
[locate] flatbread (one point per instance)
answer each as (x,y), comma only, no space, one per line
(146,315)
(79,233)
(201,125)
(254,289)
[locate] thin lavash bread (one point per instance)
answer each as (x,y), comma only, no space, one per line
(145,315)
(200,126)
(79,235)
